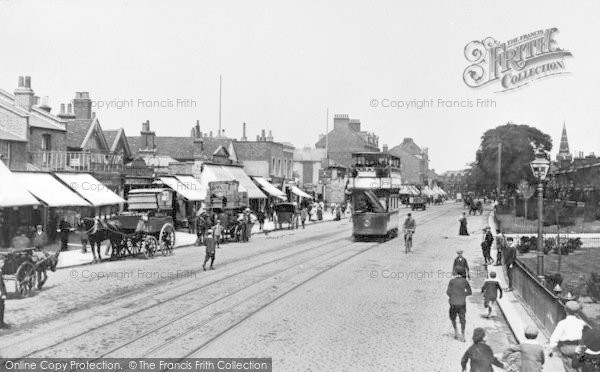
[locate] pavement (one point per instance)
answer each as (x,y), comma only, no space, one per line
(516,312)
(74,257)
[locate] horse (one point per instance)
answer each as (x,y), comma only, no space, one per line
(46,261)
(106,230)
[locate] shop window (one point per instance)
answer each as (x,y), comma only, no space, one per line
(5,152)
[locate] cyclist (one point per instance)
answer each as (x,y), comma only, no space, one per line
(409,227)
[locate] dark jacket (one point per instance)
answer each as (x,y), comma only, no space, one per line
(510,255)
(460,263)
(482,357)
(490,289)
(587,362)
(489,239)
(458,290)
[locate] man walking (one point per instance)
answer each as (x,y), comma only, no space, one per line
(64,228)
(218,231)
(486,245)
(510,255)
(210,250)
(2,296)
(500,246)
(458,290)
(303,215)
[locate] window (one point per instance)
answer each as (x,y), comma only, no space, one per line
(46,142)
(5,152)
(273,168)
(279,172)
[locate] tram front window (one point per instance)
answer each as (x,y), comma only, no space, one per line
(367,202)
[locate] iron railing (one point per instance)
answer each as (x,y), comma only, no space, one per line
(84,161)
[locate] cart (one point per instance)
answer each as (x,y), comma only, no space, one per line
(286,213)
(417,202)
(21,266)
(147,227)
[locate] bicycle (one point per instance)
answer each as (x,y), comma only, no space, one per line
(408,241)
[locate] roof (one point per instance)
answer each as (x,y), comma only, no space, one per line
(159,161)
(114,136)
(409,145)
(179,148)
(6,136)
(345,135)
(79,131)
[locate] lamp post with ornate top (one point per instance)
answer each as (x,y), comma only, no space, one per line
(539,167)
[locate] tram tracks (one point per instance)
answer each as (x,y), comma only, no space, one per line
(224,312)
(186,288)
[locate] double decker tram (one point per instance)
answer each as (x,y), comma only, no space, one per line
(374,187)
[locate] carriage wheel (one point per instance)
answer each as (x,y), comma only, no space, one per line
(167,239)
(25,279)
(150,245)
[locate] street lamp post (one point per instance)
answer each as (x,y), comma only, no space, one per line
(539,167)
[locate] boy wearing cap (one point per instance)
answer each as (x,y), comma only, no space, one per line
(490,290)
(531,353)
(210,250)
(568,332)
(458,290)
(460,263)
(480,354)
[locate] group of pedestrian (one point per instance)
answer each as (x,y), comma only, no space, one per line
(479,355)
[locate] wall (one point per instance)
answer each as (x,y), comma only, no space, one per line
(13,123)
(256,168)
(18,156)
(58,139)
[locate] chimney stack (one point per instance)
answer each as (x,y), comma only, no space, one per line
(44,106)
(66,114)
(262,135)
(270,138)
(147,144)
(257,138)
(24,96)
(244,133)
(210,134)
(82,105)
(385,149)
(62,108)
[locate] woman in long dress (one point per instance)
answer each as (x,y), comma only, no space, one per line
(463,225)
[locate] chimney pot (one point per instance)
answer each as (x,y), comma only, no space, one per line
(27,81)
(21,81)
(70,108)
(62,108)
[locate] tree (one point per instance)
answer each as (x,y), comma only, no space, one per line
(518,142)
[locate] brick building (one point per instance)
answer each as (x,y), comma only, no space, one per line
(415,162)
(265,157)
(307,164)
(346,138)
(27,127)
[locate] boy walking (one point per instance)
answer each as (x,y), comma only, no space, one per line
(218,231)
(210,250)
(460,263)
(458,290)
(490,290)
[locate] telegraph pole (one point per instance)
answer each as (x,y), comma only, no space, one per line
(220,94)
(498,180)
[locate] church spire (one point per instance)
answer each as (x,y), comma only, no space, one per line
(563,152)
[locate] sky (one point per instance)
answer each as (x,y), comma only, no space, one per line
(285,63)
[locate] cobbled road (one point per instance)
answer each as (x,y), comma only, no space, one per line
(311,299)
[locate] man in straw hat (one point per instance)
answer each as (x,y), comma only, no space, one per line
(568,332)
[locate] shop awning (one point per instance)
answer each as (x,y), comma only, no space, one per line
(213,173)
(90,189)
(13,193)
(187,190)
(245,181)
(301,193)
(269,188)
(50,190)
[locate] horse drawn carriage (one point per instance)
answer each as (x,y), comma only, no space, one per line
(418,202)
(286,213)
(473,204)
(145,229)
(26,267)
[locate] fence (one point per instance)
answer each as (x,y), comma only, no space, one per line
(546,306)
(76,161)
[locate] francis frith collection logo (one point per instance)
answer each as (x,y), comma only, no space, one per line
(514,63)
